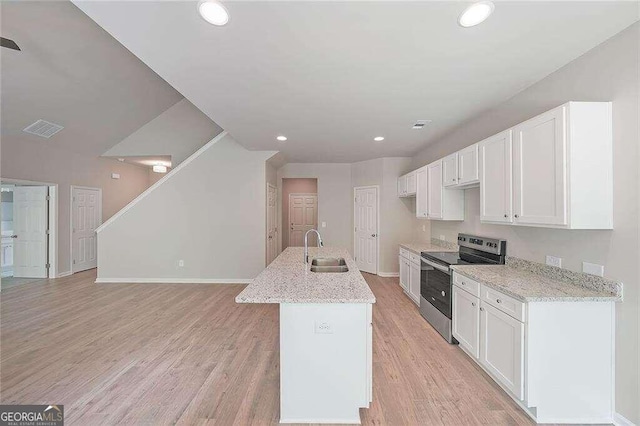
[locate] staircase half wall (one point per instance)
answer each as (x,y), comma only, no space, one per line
(209,213)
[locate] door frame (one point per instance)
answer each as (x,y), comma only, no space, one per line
(353,235)
(71,221)
(52,219)
(275,188)
(306,194)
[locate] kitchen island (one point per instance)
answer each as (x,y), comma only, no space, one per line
(325,336)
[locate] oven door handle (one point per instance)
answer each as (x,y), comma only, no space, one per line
(434,265)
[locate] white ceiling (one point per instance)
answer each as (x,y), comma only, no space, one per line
(71,72)
(332,75)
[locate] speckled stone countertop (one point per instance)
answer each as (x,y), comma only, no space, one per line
(434,246)
(288,280)
(526,282)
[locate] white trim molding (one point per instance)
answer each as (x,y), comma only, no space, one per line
(64,274)
(165,178)
(620,420)
(388,274)
(173,280)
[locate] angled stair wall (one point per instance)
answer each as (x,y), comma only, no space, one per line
(208,212)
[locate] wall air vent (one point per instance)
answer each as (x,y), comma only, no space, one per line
(420,124)
(43,128)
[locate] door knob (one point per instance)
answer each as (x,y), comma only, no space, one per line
(14,236)
(505,215)
(373,235)
(516,215)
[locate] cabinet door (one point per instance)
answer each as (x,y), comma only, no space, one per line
(539,170)
(402,186)
(468,165)
(421,193)
(434,182)
(403,272)
(495,178)
(414,284)
(411,183)
(450,170)
(466,320)
(502,348)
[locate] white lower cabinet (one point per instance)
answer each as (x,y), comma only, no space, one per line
(404,272)
(502,348)
(414,281)
(554,358)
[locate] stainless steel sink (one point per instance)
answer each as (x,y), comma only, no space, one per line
(329,264)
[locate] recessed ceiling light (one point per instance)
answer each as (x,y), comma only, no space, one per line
(213,12)
(121,160)
(378,138)
(476,13)
(282,138)
(159,168)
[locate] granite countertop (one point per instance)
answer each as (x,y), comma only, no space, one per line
(434,246)
(289,280)
(527,285)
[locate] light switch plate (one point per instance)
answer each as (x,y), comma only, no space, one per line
(115,175)
(323,327)
(324,224)
(424,228)
(554,261)
(593,269)
(180,263)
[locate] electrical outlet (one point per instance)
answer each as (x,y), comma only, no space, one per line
(424,228)
(593,269)
(324,224)
(554,261)
(443,238)
(180,263)
(115,175)
(323,327)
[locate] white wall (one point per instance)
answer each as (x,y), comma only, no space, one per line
(210,213)
(179,132)
(610,72)
(397,215)
(334,199)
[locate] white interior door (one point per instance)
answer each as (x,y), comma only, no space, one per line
(86,216)
(366,228)
(30,224)
(303,215)
(272,229)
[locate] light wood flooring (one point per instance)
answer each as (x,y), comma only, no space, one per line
(188,354)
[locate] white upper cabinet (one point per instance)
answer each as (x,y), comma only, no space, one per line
(402,186)
(434,191)
(495,178)
(468,166)
(442,203)
(450,170)
(563,168)
(411,184)
(421,192)
(539,170)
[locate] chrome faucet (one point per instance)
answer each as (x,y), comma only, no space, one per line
(306,244)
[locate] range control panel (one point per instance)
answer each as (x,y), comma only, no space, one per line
(491,245)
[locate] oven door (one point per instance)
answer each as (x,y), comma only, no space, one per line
(435,285)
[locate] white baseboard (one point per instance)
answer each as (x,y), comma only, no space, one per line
(620,420)
(388,274)
(330,421)
(64,274)
(173,281)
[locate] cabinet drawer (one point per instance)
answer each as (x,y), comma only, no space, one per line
(504,303)
(415,258)
(404,253)
(467,284)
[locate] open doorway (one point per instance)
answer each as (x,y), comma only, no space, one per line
(299,211)
(28,232)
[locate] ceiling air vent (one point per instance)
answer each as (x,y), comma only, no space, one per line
(420,124)
(43,128)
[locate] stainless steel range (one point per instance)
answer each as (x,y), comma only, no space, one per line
(435,277)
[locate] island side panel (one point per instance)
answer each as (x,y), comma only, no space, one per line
(325,358)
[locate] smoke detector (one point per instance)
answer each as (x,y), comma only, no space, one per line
(420,124)
(43,129)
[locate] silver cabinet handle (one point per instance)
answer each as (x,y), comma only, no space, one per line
(373,235)
(473,303)
(443,293)
(506,215)
(462,282)
(482,309)
(516,216)
(498,301)
(14,236)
